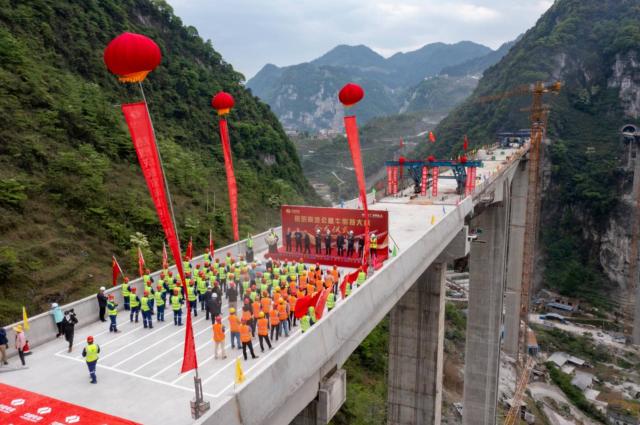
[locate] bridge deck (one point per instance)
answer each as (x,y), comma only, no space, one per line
(138,371)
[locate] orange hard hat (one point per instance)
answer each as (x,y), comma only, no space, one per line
(176,290)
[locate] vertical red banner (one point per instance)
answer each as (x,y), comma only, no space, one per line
(395,180)
(231,178)
(144,141)
(423,184)
(434,183)
(472,170)
(354,145)
(389,180)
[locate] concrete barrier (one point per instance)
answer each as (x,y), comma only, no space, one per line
(42,328)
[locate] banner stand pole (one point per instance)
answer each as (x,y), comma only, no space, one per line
(198,406)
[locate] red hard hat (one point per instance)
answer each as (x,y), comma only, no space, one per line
(133,290)
(246,300)
(148,271)
(159,287)
(89,339)
(218,319)
(126,279)
(146,292)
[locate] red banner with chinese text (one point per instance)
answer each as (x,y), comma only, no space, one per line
(18,406)
(308,220)
(434,181)
(231,178)
(423,184)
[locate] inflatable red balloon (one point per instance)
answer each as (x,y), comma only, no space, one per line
(222,102)
(132,56)
(463,159)
(350,94)
(431,158)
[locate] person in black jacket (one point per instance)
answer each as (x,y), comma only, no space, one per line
(102,303)
(298,236)
(307,243)
(214,306)
(4,345)
(287,239)
(340,244)
(232,294)
(318,242)
(327,243)
(205,299)
(70,321)
(350,244)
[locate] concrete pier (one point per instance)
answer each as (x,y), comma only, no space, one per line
(416,339)
(515,248)
(486,284)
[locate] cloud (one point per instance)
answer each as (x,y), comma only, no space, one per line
(251,33)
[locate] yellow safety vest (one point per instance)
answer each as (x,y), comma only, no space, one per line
(91,351)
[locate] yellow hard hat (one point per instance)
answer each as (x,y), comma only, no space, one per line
(261,315)
(18,328)
(232,310)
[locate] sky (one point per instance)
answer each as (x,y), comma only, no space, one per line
(252,33)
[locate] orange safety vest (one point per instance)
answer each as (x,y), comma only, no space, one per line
(292,286)
(218,332)
(335,275)
(246,315)
(328,283)
(273,318)
(245,333)
(256,308)
(266,304)
(282,312)
(263,327)
(319,286)
(234,323)
(292,303)
(318,274)
(276,298)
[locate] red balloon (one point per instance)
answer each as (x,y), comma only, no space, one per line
(132,56)
(463,159)
(222,102)
(350,94)
(431,158)
(401,160)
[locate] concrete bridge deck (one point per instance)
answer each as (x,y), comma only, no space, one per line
(138,370)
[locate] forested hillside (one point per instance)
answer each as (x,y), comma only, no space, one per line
(592,47)
(71,192)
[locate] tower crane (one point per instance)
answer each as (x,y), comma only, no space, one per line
(538,113)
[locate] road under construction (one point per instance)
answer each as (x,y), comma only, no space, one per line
(301,380)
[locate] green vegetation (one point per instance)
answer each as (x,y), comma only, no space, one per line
(572,40)
(71,191)
(367,381)
(574,393)
(584,347)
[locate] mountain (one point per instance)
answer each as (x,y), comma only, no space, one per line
(71,190)
(304,96)
(477,65)
(592,46)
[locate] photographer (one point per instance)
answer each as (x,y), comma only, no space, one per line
(69,322)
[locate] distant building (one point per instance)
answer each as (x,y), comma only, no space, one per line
(582,380)
(562,305)
(532,343)
(560,358)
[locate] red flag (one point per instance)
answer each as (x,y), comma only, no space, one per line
(321,303)
(165,257)
(231,178)
(432,137)
(211,247)
(350,278)
(140,262)
(189,253)
(465,144)
(401,143)
(354,145)
(139,123)
(115,269)
(314,299)
(302,305)
(144,141)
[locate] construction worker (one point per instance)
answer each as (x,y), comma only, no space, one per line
(234,328)
(232,295)
(176,305)
(192,298)
(263,331)
(134,303)
(274,321)
(247,316)
(90,354)
(318,241)
(145,305)
(125,292)
(202,290)
(218,338)
(160,301)
(362,276)
(245,338)
(373,244)
(283,316)
(350,243)
(312,316)
(112,311)
(147,276)
(305,323)
(331,301)
(292,310)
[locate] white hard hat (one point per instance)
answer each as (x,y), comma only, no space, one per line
(215,295)
(54,305)
(102,288)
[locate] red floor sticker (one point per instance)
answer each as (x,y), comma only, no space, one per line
(18,406)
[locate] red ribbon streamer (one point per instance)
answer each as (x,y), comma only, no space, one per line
(140,262)
(139,123)
(165,257)
(354,146)
(231,178)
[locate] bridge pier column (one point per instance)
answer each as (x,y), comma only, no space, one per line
(517,216)
(416,341)
(486,285)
